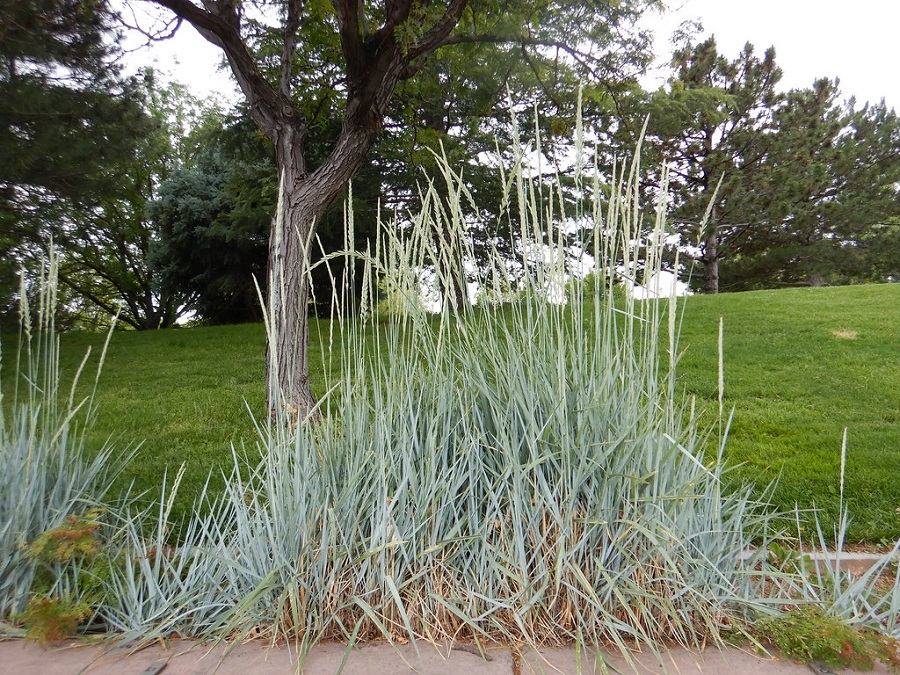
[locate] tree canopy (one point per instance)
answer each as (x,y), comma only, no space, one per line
(298,62)
(160,205)
(69,122)
(212,216)
(770,188)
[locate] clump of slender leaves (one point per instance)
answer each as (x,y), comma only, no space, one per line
(518,471)
(46,473)
(514,472)
(870,599)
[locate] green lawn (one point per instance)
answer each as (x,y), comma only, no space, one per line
(795,381)
(800,366)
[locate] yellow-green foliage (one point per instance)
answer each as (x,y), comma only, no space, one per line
(73,548)
(809,634)
(50,617)
(78,535)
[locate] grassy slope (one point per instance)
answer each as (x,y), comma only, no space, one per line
(796,382)
(794,385)
(180,394)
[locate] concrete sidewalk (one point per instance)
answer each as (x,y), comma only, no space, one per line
(379,658)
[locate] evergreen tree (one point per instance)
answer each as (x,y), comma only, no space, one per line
(69,123)
(710,127)
(771,188)
(821,208)
(212,216)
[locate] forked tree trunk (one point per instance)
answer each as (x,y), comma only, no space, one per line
(375,60)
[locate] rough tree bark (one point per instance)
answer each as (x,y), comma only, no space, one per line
(711,263)
(304,199)
(711,254)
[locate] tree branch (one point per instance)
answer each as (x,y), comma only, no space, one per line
(351,40)
(291,26)
(397,11)
(220,24)
(437,36)
(582,58)
(133,320)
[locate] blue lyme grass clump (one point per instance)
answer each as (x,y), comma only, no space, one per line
(45,471)
(515,472)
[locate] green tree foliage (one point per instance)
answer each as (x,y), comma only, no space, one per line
(708,126)
(68,121)
(826,208)
(771,188)
(212,216)
(526,57)
(866,216)
(65,115)
(105,249)
(298,62)
(457,105)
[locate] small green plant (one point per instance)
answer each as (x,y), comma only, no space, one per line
(808,634)
(77,536)
(72,567)
(52,617)
(52,566)
(788,559)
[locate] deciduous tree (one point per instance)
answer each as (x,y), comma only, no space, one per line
(351,54)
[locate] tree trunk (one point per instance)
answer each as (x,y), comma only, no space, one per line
(304,198)
(287,366)
(375,61)
(711,265)
(711,255)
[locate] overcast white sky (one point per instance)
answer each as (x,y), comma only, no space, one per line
(855,41)
(858,42)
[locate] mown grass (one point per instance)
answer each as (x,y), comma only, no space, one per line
(181,394)
(801,365)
